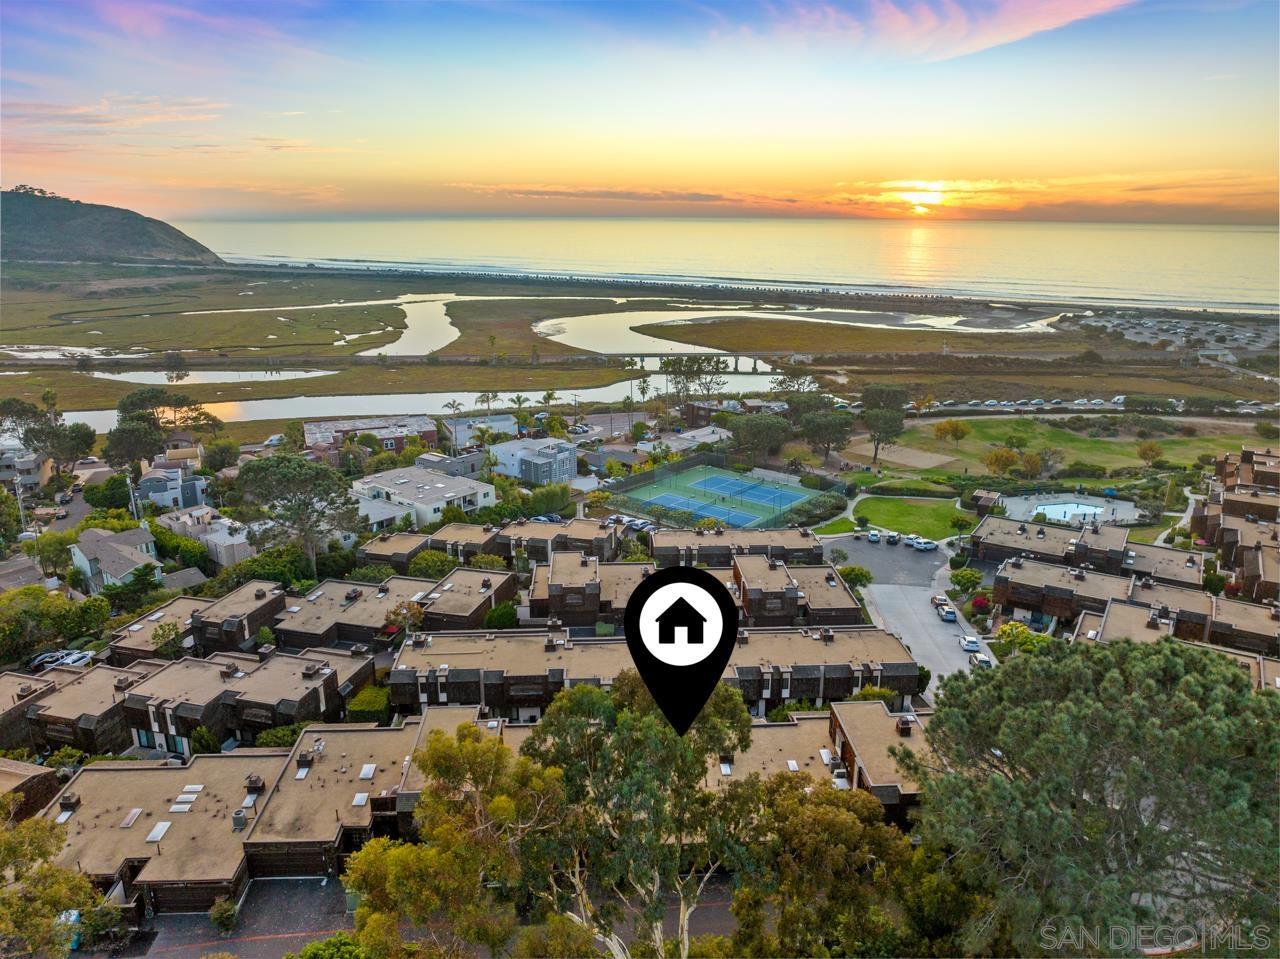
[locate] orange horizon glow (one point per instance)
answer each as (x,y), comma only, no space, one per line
(910,109)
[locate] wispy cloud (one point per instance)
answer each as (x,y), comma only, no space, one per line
(128,111)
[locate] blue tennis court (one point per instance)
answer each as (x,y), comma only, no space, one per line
(753,491)
(732,517)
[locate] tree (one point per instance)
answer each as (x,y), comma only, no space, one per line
(1149,451)
(307,502)
(10,519)
(36,891)
(966,579)
(371,573)
(558,938)
(882,396)
(1115,837)
(52,550)
(801,404)
(68,442)
(639,431)
(338,946)
(220,454)
(884,426)
(282,737)
(824,431)
(952,431)
(1031,464)
(405,616)
(1051,458)
(432,564)
(856,576)
(203,741)
(487,561)
(1000,460)
(166,640)
(502,616)
(548,399)
(112,493)
(960,522)
(519,401)
(760,432)
(134,438)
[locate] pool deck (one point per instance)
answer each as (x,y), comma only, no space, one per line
(1024,508)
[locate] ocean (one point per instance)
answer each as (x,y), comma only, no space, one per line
(1210,267)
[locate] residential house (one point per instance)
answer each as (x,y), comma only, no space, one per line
(461,430)
(231,622)
(137,640)
(85,709)
(394,433)
(31,786)
(110,559)
(536,462)
(464,462)
(426,492)
(17,691)
(863,733)
(20,467)
(538,540)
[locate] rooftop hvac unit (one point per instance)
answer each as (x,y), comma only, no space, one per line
(1079,574)
(720,532)
(584,561)
(310,669)
(699,532)
(742,637)
(1017,562)
(69,802)
(486,582)
(239,820)
(254,783)
(353,594)
(24,689)
(305,760)
(828,634)
(122,682)
(259,594)
(904,726)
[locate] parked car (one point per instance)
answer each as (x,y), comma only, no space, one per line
(541,519)
(991,403)
(970,644)
(1097,403)
(910,539)
(873,537)
(979,661)
(939,599)
(1055,402)
(77,658)
(60,513)
(77,486)
(975,403)
(1037,402)
(946,613)
(892,538)
(65,497)
(541,416)
(925,545)
(47,660)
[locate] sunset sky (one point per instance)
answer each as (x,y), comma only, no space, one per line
(1099,110)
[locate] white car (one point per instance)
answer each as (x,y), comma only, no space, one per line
(1080,402)
(910,539)
(970,644)
(925,545)
(1097,403)
(873,537)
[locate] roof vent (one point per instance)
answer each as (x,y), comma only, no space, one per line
(353,594)
(720,531)
(310,669)
(254,783)
(259,594)
(904,725)
(644,572)
(1022,529)
(550,645)
(122,682)
(305,760)
(1017,562)
(584,561)
(828,634)
(24,689)
(69,802)
(742,637)
(1039,532)
(1153,620)
(699,532)
(1079,574)
(486,583)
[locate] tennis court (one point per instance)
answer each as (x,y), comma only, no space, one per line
(711,492)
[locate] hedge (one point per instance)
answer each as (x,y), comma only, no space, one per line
(370,705)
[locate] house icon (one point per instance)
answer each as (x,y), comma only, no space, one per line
(680,615)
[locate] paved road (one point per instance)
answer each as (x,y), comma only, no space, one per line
(77,510)
(906,611)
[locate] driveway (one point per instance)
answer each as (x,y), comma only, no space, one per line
(897,565)
(19,570)
(77,510)
(906,611)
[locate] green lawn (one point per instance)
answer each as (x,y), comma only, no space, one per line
(841,524)
(1109,453)
(927,517)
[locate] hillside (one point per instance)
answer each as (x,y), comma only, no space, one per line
(39,227)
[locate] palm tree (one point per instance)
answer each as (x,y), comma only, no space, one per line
(643,388)
(454,407)
(549,397)
(629,405)
(519,401)
(487,399)
(493,356)
(482,435)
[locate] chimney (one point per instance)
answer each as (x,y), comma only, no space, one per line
(1079,574)
(828,634)
(584,562)
(266,651)
(904,725)
(253,783)
(69,802)
(1153,620)
(122,682)
(259,593)
(742,637)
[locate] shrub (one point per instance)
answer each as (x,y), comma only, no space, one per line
(371,573)
(1086,470)
(203,741)
(966,580)
(958,561)
(875,692)
(856,576)
(281,736)
(980,604)
(369,705)
(223,915)
(502,616)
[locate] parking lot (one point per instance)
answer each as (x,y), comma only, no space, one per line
(899,565)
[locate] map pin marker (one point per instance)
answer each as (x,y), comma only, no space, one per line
(681,624)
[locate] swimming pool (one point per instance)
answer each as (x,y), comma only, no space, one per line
(1065,511)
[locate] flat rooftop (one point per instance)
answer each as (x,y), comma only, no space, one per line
(349,765)
(1173,597)
(823,588)
(733,538)
(468,534)
(617,580)
(1246,617)
(1040,575)
(419,484)
(199,681)
(139,634)
(760,572)
(14,774)
(523,652)
(241,601)
(463,590)
(16,688)
(124,806)
(871,729)
(1179,565)
(1033,537)
(578,528)
(777,748)
(327,604)
(391,545)
(446,719)
(93,691)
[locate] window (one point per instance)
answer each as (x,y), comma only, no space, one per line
(388,444)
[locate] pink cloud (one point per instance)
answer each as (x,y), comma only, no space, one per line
(934,29)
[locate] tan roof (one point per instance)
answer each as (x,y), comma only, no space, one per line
(522,652)
(201,681)
(1165,562)
(823,588)
(241,601)
(1039,575)
(1247,533)
(730,538)
(14,774)
(395,544)
(774,746)
(350,764)
(328,604)
(91,692)
(343,662)
(138,635)
(871,729)
(577,528)
(16,688)
(447,719)
(617,580)
(1247,617)
(198,845)
(759,572)
(466,533)
(1174,597)
(463,590)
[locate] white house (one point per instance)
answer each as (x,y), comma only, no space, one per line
(536,462)
(109,559)
(426,491)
